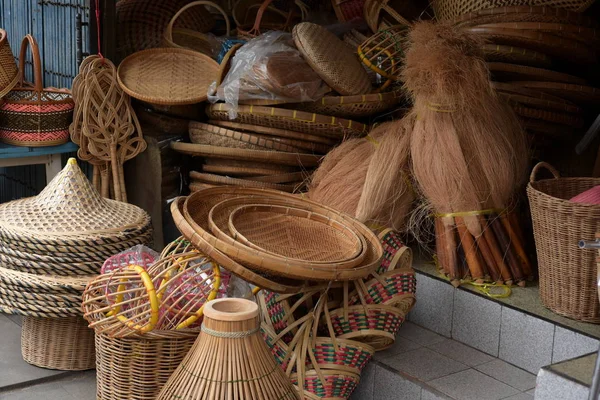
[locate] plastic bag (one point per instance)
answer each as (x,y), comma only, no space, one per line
(269,67)
(137,255)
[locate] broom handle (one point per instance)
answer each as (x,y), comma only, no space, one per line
(440,246)
(505,246)
(488,257)
(494,248)
(517,245)
(468,244)
(449,241)
(514,221)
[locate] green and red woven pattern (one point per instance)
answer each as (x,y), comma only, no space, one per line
(396,284)
(347,355)
(276,348)
(336,385)
(376,319)
(391,245)
(277,314)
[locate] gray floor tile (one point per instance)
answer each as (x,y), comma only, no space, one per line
(525,341)
(402,345)
(433,309)
(393,386)
(460,352)
(568,344)
(424,364)
(419,335)
(520,396)
(553,387)
(432,394)
(13,369)
(473,385)
(364,391)
(509,374)
(48,391)
(17,319)
(531,392)
(476,322)
(81,386)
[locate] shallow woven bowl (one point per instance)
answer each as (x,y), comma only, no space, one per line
(169,76)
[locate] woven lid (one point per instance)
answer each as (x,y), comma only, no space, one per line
(168,76)
(333,60)
(69,205)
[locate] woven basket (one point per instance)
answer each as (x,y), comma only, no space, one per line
(395,252)
(382,14)
(243,168)
(136,368)
(218,180)
(292,120)
(515,55)
(168,76)
(335,63)
(282,133)
(65,344)
(141,23)
(550,116)
(253,16)
(31,115)
(9,74)
(352,106)
(542,104)
(525,14)
(578,94)
(449,9)
(348,10)
(338,384)
(395,288)
(567,274)
(189,38)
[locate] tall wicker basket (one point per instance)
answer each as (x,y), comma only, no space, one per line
(138,367)
(567,273)
(65,344)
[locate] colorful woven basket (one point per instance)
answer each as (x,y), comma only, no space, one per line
(9,74)
(394,251)
(31,115)
(395,288)
(338,384)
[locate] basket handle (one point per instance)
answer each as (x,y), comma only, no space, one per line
(169,31)
(539,166)
(38,83)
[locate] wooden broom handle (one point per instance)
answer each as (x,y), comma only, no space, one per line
(38,82)
(468,244)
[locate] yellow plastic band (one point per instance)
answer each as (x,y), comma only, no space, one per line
(372,140)
(147,281)
(483,288)
(470,213)
(440,108)
(211,296)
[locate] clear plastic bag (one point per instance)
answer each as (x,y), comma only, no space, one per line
(269,67)
(137,255)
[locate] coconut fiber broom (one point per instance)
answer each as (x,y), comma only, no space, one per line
(469,155)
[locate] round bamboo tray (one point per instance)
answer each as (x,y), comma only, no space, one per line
(275,284)
(201,133)
(573,32)
(515,55)
(9,73)
(542,104)
(244,168)
(331,59)
(168,76)
(197,209)
(32,283)
(546,130)
(292,120)
(516,88)
(46,268)
(65,344)
(375,325)
(218,180)
(243,362)
(578,94)
(276,157)
(352,106)
(138,367)
(525,14)
(513,72)
(300,176)
(332,240)
(283,133)
(550,116)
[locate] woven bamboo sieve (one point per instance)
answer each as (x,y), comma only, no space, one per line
(199,179)
(242,168)
(515,55)
(229,359)
(331,59)
(136,368)
(352,106)
(58,343)
(450,9)
(567,274)
(578,94)
(525,14)
(293,120)
(263,281)
(9,74)
(197,209)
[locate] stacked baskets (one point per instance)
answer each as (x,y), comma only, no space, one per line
(353,324)
(50,246)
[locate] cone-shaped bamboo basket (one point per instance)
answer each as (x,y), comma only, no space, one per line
(229,360)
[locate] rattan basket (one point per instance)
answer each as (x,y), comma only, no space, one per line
(9,74)
(567,274)
(58,343)
(353,106)
(525,14)
(136,368)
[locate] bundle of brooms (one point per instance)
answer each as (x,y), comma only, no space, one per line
(469,156)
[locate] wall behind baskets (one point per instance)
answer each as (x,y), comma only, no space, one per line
(54,24)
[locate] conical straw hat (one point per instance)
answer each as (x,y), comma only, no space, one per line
(69,207)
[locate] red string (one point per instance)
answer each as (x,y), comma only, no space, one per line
(98,29)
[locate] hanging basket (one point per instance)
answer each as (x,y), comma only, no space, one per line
(31,115)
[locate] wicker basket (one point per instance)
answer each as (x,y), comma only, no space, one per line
(9,74)
(567,274)
(136,368)
(58,343)
(31,115)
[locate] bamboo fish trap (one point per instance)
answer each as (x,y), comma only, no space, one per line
(230,359)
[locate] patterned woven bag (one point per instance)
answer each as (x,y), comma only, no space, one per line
(31,115)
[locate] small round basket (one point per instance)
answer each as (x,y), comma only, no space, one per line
(338,384)
(66,344)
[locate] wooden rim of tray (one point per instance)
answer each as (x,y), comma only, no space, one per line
(514,72)
(525,14)
(275,132)
(213,179)
(516,55)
